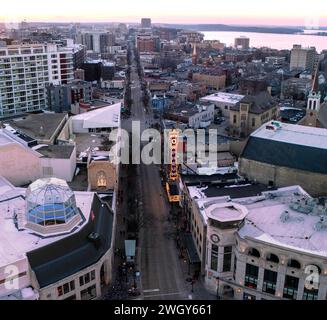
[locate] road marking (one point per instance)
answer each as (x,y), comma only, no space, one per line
(151,290)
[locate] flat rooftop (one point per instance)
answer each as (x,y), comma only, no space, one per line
(295,134)
(273,219)
(234,191)
(56,151)
(224,97)
(32,123)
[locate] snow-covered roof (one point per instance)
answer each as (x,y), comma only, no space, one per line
(107,117)
(272,218)
(294,134)
(14,244)
(223,97)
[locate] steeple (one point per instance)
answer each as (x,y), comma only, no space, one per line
(194,55)
(314,100)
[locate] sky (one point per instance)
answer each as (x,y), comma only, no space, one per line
(248,12)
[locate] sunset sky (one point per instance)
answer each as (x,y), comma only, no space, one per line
(277,12)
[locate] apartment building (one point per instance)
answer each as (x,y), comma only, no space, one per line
(26,70)
(302,58)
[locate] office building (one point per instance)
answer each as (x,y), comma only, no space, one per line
(98,42)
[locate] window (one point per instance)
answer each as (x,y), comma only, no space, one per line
(251,276)
(87,278)
(272,258)
(294,264)
(214,257)
(89,293)
(253,122)
(269,282)
(227,264)
(66,288)
(310,294)
(235,267)
(290,287)
(254,253)
(234,119)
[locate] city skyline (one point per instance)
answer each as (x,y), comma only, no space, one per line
(239,12)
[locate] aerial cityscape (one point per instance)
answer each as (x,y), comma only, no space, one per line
(147,154)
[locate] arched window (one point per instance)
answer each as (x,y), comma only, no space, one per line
(254,252)
(272,258)
(292,263)
(101,180)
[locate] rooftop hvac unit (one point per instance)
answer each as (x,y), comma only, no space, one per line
(95,239)
(285,216)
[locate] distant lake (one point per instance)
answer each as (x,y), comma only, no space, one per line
(271,40)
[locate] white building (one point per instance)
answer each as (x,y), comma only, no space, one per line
(223,101)
(99,120)
(26,70)
(23,160)
(270,246)
(55,244)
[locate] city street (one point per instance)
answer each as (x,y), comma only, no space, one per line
(161,274)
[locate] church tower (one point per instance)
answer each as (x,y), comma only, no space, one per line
(194,55)
(313,105)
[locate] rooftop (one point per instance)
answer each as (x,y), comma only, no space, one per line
(16,241)
(106,117)
(224,97)
(288,218)
(38,126)
(258,103)
(291,146)
(295,134)
(56,151)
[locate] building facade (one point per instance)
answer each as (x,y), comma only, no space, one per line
(63,246)
(250,113)
(243,254)
(60,98)
(302,58)
(242,43)
(26,70)
(283,154)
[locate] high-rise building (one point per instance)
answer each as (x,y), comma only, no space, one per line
(146,23)
(26,70)
(97,41)
(242,42)
(302,58)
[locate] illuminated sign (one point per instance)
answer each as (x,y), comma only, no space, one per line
(173,137)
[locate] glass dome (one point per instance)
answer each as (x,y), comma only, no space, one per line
(50,202)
